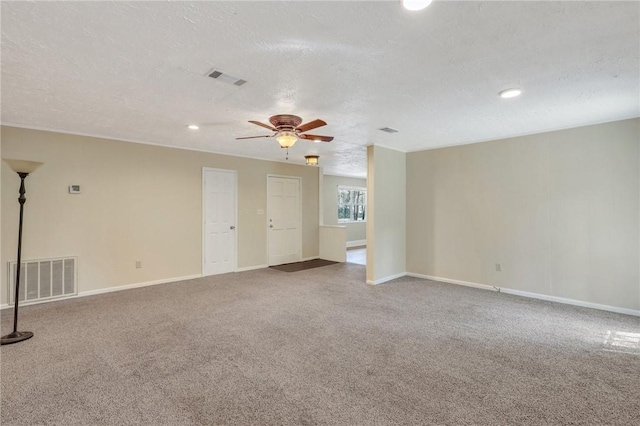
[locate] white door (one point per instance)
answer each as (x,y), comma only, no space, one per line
(219,203)
(285,236)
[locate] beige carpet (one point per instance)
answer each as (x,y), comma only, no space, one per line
(319,347)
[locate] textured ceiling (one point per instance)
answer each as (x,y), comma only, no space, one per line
(136,71)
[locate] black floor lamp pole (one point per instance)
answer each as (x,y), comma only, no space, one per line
(18,336)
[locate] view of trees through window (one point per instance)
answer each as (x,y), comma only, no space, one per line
(352,204)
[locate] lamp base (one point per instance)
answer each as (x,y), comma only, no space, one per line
(16,337)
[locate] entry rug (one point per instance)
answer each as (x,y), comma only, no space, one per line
(301,266)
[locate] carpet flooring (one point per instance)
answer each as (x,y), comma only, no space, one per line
(303,266)
(319,347)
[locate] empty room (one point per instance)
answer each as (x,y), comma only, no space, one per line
(320,212)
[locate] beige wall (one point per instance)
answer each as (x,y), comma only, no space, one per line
(355,231)
(138,202)
(559,211)
(386,226)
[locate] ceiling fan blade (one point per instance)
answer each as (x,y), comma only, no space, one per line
(254,137)
(311,125)
(266,126)
(317,138)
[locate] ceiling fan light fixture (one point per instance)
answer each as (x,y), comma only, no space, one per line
(312,160)
(286,139)
(415,4)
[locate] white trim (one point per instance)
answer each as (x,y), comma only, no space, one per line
(356,243)
(519,135)
(309,258)
(320,197)
(112,138)
(385,279)
(532,295)
(299,178)
(450,281)
(251,268)
(346,176)
(112,289)
(350,187)
(138,285)
(234,267)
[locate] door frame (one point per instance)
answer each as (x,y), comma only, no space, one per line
(299,179)
(204,216)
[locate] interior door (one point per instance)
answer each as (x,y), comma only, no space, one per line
(285,220)
(219,193)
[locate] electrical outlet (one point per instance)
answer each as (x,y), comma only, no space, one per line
(498,267)
(138,264)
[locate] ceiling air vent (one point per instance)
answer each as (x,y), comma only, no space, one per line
(388,130)
(225,78)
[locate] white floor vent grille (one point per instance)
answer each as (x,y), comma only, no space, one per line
(44,279)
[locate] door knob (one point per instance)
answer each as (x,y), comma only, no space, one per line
(232,227)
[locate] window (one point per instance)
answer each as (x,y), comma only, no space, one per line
(352,204)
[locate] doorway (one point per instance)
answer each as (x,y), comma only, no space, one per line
(284,212)
(219,201)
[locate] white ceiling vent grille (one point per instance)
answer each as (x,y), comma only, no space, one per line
(44,279)
(225,78)
(388,130)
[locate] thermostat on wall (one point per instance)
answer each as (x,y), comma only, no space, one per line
(74,189)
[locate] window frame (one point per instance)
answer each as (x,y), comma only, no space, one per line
(352,204)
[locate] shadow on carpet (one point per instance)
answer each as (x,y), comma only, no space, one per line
(301,266)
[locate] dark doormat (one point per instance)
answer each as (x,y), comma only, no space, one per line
(301,266)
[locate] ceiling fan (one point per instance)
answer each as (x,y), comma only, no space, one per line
(287,130)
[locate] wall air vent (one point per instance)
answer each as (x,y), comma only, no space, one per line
(225,78)
(388,130)
(44,279)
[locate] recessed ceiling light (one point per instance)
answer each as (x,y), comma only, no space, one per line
(193,127)
(415,4)
(510,93)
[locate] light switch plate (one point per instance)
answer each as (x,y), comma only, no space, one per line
(74,189)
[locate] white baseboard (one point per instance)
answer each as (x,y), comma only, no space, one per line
(109,290)
(573,302)
(539,296)
(251,268)
(450,281)
(356,243)
(309,258)
(385,279)
(137,285)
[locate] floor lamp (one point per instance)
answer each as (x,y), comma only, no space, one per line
(23,168)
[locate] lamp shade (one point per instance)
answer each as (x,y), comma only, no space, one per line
(22,166)
(286,139)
